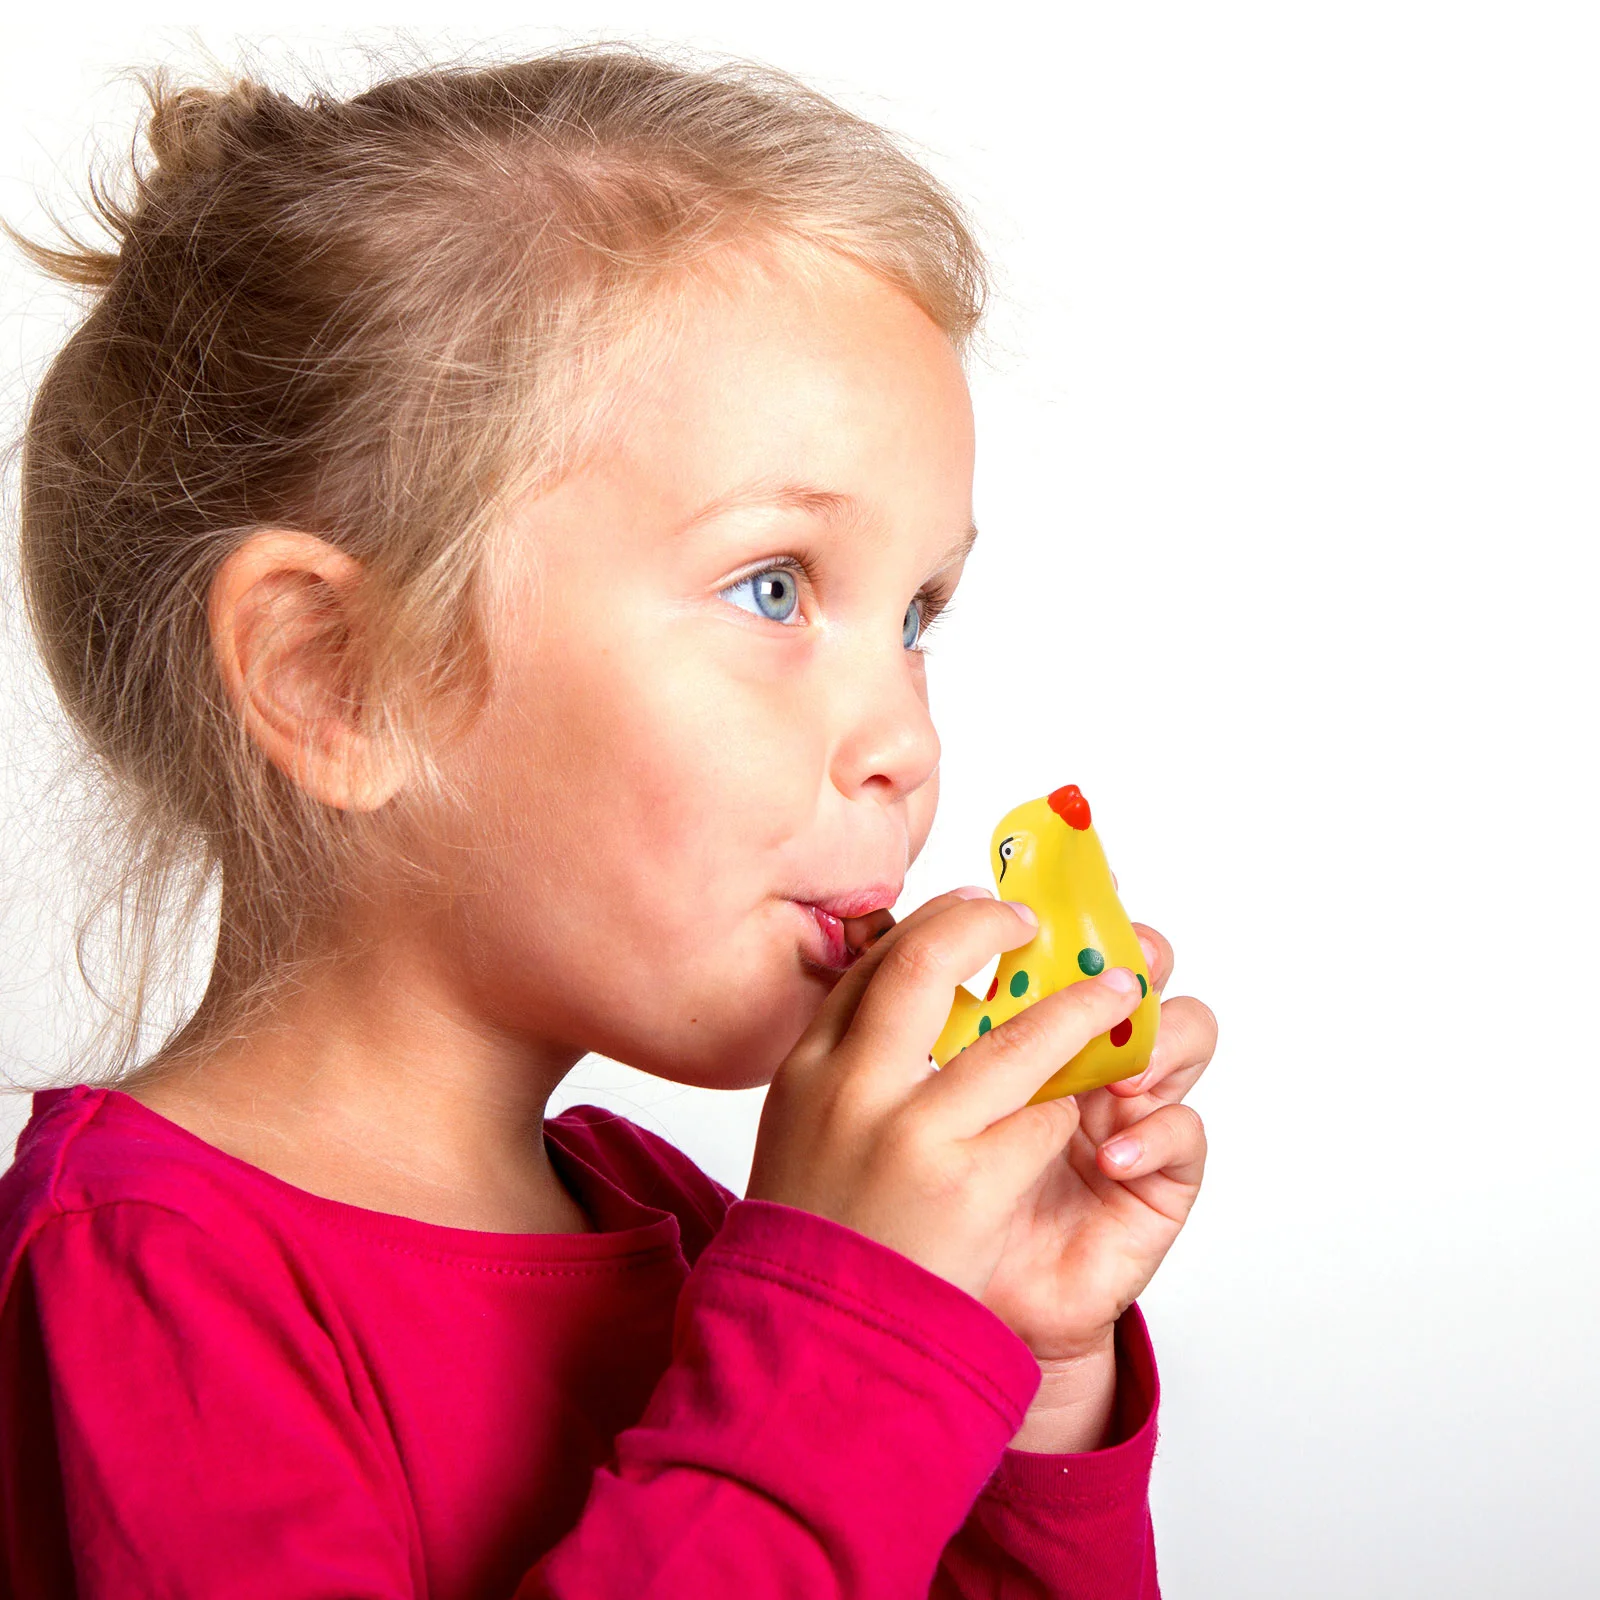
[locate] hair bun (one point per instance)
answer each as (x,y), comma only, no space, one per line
(189,129)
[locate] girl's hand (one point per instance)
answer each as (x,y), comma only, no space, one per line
(1089,1234)
(861,1127)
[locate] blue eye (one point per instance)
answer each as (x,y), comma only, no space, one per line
(774,593)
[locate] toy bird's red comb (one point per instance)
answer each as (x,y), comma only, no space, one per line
(1068,803)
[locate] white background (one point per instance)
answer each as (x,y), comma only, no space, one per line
(1287,482)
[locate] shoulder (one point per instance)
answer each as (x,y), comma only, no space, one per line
(98,1187)
(139,1308)
(125,1251)
(647,1168)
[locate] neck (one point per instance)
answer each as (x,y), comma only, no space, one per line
(371,1077)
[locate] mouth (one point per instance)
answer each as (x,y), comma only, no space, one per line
(826,944)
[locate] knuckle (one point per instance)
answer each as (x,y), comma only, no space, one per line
(1051,1118)
(920,957)
(1174,1024)
(1094,1000)
(1021,1034)
(1197,1125)
(1191,1024)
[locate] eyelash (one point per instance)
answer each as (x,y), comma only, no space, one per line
(936,601)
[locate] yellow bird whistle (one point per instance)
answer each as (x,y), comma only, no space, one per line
(1046,854)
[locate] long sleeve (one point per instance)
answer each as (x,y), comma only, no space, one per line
(1063,1526)
(179,1421)
(173,1421)
(183,1412)
(1072,1526)
(831,1413)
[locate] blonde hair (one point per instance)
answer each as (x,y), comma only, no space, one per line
(377,319)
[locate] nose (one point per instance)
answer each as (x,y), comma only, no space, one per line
(887,736)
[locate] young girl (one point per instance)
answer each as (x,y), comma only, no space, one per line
(490,524)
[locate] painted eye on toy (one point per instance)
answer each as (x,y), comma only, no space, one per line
(1052,862)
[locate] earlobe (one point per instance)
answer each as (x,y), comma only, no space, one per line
(288,641)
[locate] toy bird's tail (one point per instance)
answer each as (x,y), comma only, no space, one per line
(961,1027)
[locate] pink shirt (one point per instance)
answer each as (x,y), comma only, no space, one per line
(215,1383)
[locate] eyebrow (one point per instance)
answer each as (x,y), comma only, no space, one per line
(832,505)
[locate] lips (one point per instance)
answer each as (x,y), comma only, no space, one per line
(855,904)
(828,947)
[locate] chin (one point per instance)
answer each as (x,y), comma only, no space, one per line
(725,1021)
(732,1071)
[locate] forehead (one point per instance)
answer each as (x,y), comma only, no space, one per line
(826,389)
(831,506)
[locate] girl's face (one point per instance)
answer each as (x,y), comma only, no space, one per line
(691,737)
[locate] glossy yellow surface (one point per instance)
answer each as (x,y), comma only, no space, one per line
(1046,854)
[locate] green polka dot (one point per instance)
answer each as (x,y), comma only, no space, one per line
(1144,988)
(983,1026)
(1091,962)
(1019,983)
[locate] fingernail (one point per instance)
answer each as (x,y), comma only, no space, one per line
(974,892)
(1122,1152)
(1149,953)
(1027,913)
(1123,979)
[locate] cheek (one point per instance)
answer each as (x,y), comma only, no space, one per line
(632,832)
(670,777)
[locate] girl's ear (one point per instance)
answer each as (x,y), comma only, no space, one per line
(287,637)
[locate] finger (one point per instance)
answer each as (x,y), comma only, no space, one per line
(1157,952)
(907,998)
(1006,1066)
(1170,1141)
(1185,1044)
(859,932)
(834,1015)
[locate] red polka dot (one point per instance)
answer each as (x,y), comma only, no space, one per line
(1122,1033)
(994,988)
(1068,803)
